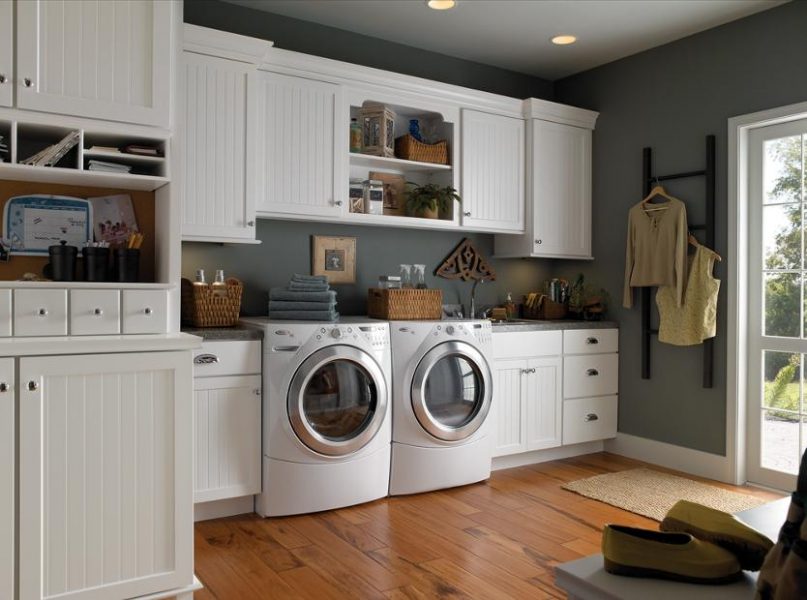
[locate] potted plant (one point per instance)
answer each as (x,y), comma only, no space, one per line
(430,200)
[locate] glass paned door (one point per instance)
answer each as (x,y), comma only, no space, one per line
(777,339)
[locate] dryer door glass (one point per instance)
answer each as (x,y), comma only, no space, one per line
(337,400)
(451,391)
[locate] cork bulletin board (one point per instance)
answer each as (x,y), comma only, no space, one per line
(143,203)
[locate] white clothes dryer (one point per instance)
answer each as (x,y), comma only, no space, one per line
(442,391)
(326,414)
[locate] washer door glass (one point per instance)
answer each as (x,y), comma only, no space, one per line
(337,400)
(451,391)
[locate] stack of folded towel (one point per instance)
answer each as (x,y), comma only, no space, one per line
(307,297)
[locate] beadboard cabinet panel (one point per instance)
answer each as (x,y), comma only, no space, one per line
(104,60)
(543,404)
(508,406)
(218,141)
(7,485)
(298,169)
(105,466)
(6,53)
(492,171)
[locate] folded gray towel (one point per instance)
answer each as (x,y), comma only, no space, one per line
(295,286)
(309,278)
(292,305)
(304,315)
(307,296)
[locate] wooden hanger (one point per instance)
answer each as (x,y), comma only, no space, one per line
(694,242)
(656,191)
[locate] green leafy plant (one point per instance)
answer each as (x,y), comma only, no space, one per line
(783,393)
(429,198)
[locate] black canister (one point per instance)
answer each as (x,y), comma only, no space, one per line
(127,265)
(62,265)
(96,264)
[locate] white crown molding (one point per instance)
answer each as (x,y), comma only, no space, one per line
(560,113)
(222,44)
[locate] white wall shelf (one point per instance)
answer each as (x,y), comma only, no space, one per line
(399,165)
(124,157)
(146,183)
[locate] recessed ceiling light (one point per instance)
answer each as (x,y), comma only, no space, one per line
(441,4)
(564,40)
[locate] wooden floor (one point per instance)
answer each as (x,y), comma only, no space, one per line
(499,539)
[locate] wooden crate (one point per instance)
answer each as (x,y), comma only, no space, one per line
(405,304)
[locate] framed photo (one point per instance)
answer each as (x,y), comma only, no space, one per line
(394,192)
(334,257)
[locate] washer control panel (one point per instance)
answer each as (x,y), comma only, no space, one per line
(376,335)
(480,330)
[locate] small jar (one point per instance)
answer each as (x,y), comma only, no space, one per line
(374,197)
(389,282)
(356,195)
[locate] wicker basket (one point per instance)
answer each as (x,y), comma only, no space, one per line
(409,148)
(203,307)
(547,310)
(405,304)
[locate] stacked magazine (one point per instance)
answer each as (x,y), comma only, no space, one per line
(3,149)
(108,167)
(53,154)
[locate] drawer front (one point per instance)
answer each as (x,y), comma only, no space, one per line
(522,344)
(590,341)
(5,313)
(589,419)
(227,358)
(40,312)
(594,375)
(94,312)
(145,311)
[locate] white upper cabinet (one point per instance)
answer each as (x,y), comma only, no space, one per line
(6,53)
(218,149)
(298,161)
(492,172)
(104,60)
(558,223)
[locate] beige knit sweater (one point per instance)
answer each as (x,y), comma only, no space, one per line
(656,252)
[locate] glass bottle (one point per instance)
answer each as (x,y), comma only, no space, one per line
(420,277)
(406,276)
(355,135)
(200,277)
(219,285)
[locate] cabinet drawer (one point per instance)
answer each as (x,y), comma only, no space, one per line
(145,311)
(523,344)
(5,313)
(227,358)
(590,341)
(594,375)
(589,419)
(94,312)
(40,312)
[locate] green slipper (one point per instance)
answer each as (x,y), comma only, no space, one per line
(721,528)
(678,556)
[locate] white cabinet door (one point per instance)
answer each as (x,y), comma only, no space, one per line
(6,53)
(7,491)
(492,172)
(105,475)
(218,141)
(561,190)
(297,153)
(104,60)
(227,418)
(543,410)
(508,406)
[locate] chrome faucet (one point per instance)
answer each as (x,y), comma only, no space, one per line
(473,297)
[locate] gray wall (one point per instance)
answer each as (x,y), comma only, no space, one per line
(338,44)
(670,98)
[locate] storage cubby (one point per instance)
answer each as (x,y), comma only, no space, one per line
(6,141)
(111,148)
(33,138)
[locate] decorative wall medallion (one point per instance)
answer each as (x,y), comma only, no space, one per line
(466,262)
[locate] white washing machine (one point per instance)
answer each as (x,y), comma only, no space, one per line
(326,414)
(442,388)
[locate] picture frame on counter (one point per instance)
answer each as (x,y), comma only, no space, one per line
(334,257)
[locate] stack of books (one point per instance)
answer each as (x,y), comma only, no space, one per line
(53,154)
(108,167)
(3,149)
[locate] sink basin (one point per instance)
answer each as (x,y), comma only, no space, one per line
(495,322)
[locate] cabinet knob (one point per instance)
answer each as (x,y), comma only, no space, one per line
(3,387)
(2,78)
(467,213)
(250,223)
(147,311)
(592,341)
(592,372)
(33,386)
(539,242)
(42,312)
(591,417)
(98,312)
(337,203)
(28,82)
(257,391)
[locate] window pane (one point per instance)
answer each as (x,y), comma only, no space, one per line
(782,304)
(780,443)
(781,376)
(782,170)
(781,236)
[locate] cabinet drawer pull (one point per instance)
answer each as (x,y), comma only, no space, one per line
(592,340)
(206,359)
(528,371)
(591,417)
(3,387)
(42,312)
(33,386)
(592,372)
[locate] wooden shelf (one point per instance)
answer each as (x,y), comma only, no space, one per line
(395,164)
(127,181)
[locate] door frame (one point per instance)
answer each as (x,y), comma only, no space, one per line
(739,128)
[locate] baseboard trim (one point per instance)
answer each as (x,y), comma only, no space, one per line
(216,509)
(538,456)
(694,462)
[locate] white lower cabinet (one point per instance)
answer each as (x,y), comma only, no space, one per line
(7,486)
(104,475)
(589,419)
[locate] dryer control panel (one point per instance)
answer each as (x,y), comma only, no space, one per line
(376,335)
(481,331)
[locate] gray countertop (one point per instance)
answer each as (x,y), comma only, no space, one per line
(225,334)
(553,325)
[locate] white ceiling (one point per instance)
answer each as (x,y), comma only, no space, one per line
(515,34)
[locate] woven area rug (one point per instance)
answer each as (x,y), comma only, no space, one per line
(652,493)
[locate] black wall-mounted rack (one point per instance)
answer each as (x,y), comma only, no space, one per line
(708,229)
